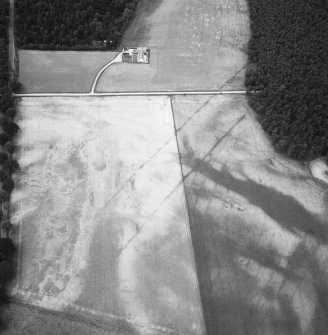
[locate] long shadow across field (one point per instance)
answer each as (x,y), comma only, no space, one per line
(282,208)
(233,298)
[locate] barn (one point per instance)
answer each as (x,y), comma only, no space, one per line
(136,55)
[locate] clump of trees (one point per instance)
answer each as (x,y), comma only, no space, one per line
(287,74)
(78,24)
(8,165)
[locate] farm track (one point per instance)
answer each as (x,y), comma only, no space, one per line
(117,59)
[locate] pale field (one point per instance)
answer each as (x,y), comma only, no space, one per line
(319,169)
(60,71)
(195,45)
(259,223)
(101,213)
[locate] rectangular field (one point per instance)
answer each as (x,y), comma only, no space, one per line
(101,213)
(60,71)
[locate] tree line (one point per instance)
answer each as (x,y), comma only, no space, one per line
(78,24)
(287,74)
(8,165)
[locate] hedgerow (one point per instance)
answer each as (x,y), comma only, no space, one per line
(8,130)
(287,74)
(78,24)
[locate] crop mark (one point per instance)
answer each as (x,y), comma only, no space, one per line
(141,166)
(218,141)
(233,77)
(181,182)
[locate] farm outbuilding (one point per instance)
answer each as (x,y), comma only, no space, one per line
(136,55)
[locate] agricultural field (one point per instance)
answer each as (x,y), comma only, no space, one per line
(155,215)
(101,193)
(60,71)
(101,213)
(194,45)
(258,222)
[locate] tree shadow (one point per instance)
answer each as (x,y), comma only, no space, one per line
(305,257)
(228,292)
(232,297)
(7,275)
(284,209)
(233,300)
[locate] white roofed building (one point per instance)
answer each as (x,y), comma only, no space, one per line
(136,55)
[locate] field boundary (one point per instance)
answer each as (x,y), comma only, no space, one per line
(106,318)
(141,93)
(190,241)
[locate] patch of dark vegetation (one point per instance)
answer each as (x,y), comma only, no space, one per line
(77,25)
(8,130)
(288,74)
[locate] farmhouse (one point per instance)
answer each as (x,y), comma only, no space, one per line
(135,55)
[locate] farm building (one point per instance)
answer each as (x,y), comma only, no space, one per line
(135,55)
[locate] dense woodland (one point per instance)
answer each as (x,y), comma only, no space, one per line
(288,69)
(8,130)
(78,24)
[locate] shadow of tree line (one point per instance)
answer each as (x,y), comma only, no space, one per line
(228,290)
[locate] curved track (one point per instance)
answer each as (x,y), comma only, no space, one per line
(117,59)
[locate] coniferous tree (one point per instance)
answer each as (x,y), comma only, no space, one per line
(79,24)
(287,74)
